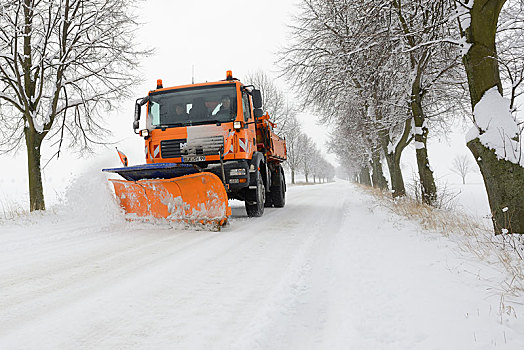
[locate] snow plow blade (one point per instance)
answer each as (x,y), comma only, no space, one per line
(198,198)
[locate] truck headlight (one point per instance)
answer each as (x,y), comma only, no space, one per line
(237,172)
(144,133)
(237,125)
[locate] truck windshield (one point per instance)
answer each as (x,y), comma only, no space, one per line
(193,106)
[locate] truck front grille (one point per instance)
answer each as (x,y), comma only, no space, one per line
(172,148)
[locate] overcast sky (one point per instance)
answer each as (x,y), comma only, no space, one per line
(213,36)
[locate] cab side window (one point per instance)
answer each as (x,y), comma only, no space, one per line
(154,112)
(245,107)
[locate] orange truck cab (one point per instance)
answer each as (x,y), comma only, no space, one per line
(220,128)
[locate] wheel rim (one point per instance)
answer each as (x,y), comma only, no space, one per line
(261,194)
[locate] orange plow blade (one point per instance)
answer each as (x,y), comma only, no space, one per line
(197,198)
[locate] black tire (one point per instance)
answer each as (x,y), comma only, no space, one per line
(278,192)
(256,198)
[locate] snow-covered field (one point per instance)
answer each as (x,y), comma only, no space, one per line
(331,270)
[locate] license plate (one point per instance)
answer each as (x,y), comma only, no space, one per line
(195,159)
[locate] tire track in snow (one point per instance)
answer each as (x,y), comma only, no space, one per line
(270,326)
(219,296)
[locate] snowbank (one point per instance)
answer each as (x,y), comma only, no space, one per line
(496,127)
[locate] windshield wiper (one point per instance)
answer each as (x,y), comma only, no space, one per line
(171,125)
(208,121)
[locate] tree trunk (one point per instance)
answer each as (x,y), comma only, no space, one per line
(397,181)
(293,176)
(427,181)
(428,189)
(33,141)
(504,183)
(379,181)
(365,179)
(504,180)
(398,188)
(306,174)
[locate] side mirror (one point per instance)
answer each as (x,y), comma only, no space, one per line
(257,98)
(258,113)
(138,109)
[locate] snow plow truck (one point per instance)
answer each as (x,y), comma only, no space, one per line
(204,144)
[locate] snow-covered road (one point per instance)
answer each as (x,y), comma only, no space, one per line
(331,270)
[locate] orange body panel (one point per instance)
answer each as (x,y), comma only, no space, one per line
(274,146)
(279,150)
(196,198)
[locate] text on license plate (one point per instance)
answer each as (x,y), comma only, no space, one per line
(195,159)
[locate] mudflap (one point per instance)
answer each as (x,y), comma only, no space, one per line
(198,198)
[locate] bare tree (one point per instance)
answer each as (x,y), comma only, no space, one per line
(316,163)
(495,139)
(424,30)
(307,147)
(62,64)
(280,109)
(352,152)
(322,170)
(293,145)
(462,166)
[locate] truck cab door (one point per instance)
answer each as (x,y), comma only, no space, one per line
(249,120)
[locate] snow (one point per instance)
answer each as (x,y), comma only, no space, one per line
(419,145)
(38,124)
(334,269)
(496,127)
(463,44)
(463,14)
(472,199)
(391,148)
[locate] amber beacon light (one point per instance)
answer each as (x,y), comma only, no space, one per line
(229,75)
(159,84)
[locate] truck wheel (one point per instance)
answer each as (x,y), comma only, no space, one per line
(269,201)
(256,199)
(278,192)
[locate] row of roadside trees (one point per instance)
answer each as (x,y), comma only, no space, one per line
(387,73)
(304,156)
